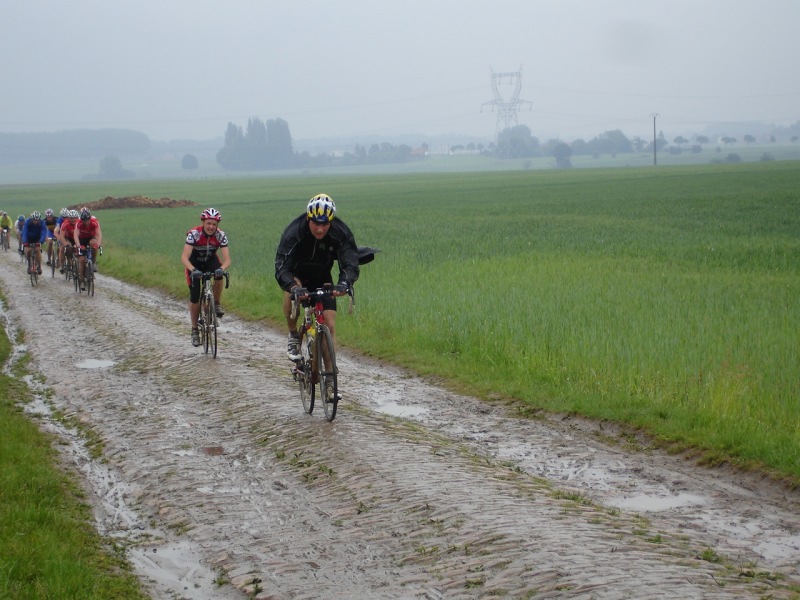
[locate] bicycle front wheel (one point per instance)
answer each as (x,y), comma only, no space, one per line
(32,267)
(328,380)
(212,332)
(303,370)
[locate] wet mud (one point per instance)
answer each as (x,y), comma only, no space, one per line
(221,487)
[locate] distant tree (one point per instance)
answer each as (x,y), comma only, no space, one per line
(111,168)
(579,147)
(611,142)
(262,146)
(638,144)
(562,153)
(728,140)
(767,157)
(279,143)
(733,158)
(680,140)
(793,139)
(749,139)
(696,149)
(701,139)
(189,161)
(517,142)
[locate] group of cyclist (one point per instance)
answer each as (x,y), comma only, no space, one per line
(58,234)
(304,261)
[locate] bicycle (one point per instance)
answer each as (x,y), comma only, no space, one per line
(70,263)
(4,242)
(207,322)
(31,256)
(317,364)
(52,255)
(87,252)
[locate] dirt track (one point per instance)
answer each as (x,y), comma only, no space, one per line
(222,487)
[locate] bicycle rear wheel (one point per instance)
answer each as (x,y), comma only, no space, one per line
(53,258)
(328,381)
(303,371)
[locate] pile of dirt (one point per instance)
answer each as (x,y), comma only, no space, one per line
(133,202)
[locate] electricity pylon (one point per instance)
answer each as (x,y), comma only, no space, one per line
(506,109)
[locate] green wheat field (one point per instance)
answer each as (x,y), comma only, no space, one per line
(662,298)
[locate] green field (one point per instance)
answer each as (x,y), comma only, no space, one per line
(664,298)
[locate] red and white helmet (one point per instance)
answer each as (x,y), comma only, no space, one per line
(210,213)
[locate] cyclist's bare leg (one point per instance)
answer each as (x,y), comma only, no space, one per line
(95,251)
(330,321)
(287,313)
(218,285)
(194,313)
(81,267)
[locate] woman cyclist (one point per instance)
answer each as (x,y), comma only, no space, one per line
(206,250)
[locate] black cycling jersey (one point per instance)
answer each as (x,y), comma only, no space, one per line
(301,255)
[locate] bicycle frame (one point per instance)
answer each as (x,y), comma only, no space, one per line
(207,321)
(317,366)
(86,255)
(33,261)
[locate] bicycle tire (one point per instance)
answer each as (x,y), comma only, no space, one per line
(304,377)
(53,260)
(209,330)
(32,267)
(328,381)
(212,326)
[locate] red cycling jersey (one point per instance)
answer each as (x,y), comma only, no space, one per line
(68,230)
(87,230)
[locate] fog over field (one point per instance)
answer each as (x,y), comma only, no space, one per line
(184,69)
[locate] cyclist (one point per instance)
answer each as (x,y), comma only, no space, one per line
(205,250)
(18,228)
(34,232)
(304,259)
(50,221)
(66,237)
(87,233)
(6,224)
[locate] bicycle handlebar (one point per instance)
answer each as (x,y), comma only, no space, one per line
(205,275)
(309,297)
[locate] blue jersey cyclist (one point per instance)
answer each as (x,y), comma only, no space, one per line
(206,250)
(306,252)
(34,231)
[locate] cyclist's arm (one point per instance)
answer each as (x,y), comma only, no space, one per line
(98,235)
(185,255)
(225,256)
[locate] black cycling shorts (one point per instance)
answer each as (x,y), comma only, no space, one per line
(212,264)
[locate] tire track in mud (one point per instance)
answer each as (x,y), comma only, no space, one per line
(217,457)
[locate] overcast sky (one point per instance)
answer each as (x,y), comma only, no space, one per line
(186,68)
